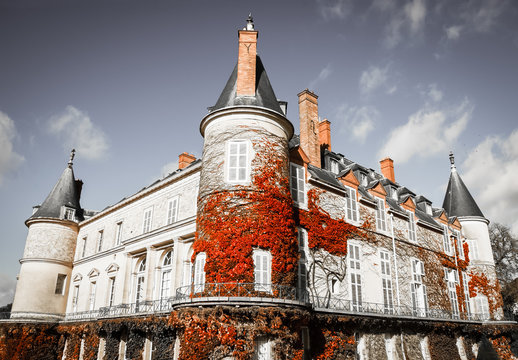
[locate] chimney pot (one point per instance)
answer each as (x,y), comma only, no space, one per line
(184,159)
(387,169)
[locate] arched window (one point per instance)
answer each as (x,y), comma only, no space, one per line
(165,278)
(140,290)
(199,272)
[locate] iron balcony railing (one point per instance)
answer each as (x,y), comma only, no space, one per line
(211,293)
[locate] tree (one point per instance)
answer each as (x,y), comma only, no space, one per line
(505,252)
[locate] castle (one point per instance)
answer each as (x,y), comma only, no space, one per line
(270,246)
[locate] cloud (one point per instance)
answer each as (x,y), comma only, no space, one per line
(432,93)
(358,122)
(490,173)
(407,20)
(334,9)
(373,78)
(428,132)
(7,287)
(168,168)
(76,130)
(453,32)
(323,75)
(9,159)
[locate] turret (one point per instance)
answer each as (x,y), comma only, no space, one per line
(46,266)
(458,202)
(245,159)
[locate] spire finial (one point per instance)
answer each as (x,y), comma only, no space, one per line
(72,154)
(452,160)
(249,23)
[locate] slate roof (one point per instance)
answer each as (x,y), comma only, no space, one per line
(458,201)
(264,94)
(66,192)
(325,176)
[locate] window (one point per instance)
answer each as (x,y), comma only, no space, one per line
(83,251)
(165,281)
(302,271)
(111,296)
(334,166)
(199,272)
(262,270)
(60,284)
(147,220)
(187,273)
(69,214)
(91,300)
(452,278)
(351,205)
(140,291)
(418,289)
(465,283)
(237,164)
(75,298)
(412,236)
(446,240)
(458,243)
(473,249)
(298,184)
(100,241)
(381,217)
(262,349)
(118,233)
(482,307)
(355,276)
(386,282)
(364,181)
(172,210)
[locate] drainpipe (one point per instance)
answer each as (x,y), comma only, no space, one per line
(395,258)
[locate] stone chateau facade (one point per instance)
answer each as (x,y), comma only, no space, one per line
(270,246)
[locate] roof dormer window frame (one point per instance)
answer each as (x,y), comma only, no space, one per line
(68,213)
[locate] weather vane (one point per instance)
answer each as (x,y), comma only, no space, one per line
(72,154)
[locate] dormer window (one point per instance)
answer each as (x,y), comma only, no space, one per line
(393,193)
(428,208)
(334,166)
(363,179)
(68,213)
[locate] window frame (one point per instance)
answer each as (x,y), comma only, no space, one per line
(118,232)
(263,282)
(100,240)
(172,210)
(295,182)
(61,282)
(111,290)
(412,228)
(446,240)
(355,277)
(199,272)
(386,281)
(239,155)
(352,211)
(381,215)
(147,220)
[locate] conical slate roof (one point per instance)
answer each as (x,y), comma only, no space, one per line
(66,192)
(264,95)
(458,201)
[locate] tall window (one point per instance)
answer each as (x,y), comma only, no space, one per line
(75,298)
(60,284)
(298,184)
(451,277)
(457,242)
(83,250)
(355,276)
(465,284)
(100,238)
(262,270)
(187,273)
(351,205)
(381,217)
(118,233)
(446,240)
(237,164)
(172,210)
(386,282)
(165,281)
(412,236)
(91,300)
(482,307)
(148,213)
(418,289)
(199,272)
(302,272)
(473,249)
(140,291)
(111,294)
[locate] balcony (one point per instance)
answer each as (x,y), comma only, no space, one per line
(247,294)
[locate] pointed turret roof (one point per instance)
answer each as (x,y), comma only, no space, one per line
(66,192)
(264,95)
(458,201)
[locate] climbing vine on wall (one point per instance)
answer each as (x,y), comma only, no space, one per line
(480,284)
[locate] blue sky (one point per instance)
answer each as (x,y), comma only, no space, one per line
(127,82)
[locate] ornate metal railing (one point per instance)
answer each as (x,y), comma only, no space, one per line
(234,293)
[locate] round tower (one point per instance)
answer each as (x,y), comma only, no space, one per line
(459,202)
(245,175)
(46,265)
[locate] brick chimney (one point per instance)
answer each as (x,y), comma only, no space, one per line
(387,169)
(308,116)
(184,159)
(247,53)
(324,134)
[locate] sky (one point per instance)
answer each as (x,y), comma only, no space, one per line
(126,83)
